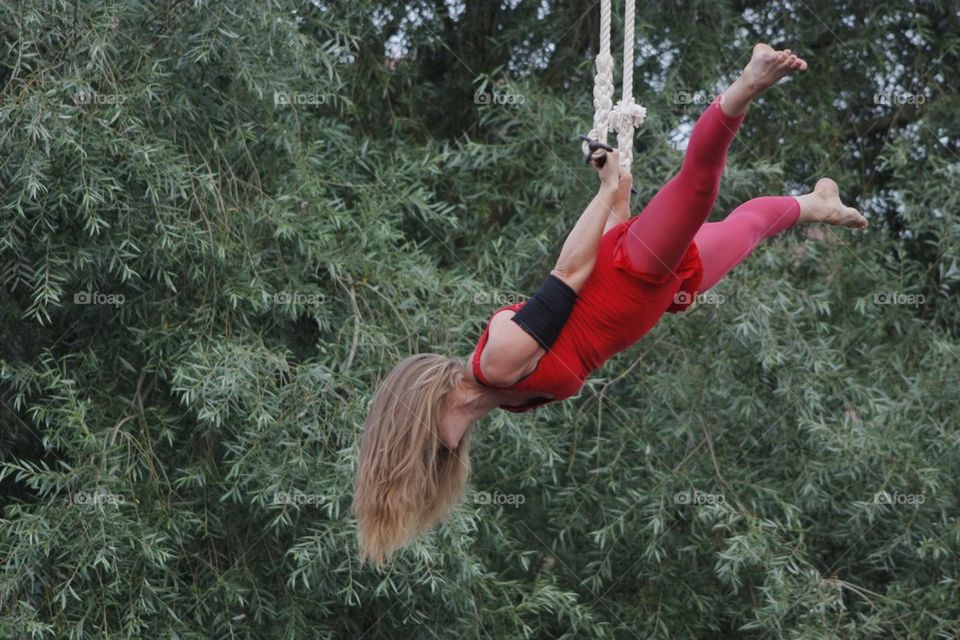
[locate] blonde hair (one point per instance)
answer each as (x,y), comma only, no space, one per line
(407,480)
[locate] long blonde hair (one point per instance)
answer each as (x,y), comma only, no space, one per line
(407,480)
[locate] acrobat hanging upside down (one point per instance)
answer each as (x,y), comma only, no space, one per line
(616,276)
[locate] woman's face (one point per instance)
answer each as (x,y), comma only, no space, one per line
(454,421)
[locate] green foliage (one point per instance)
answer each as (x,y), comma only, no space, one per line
(222,223)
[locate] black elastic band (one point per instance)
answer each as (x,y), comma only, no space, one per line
(546,312)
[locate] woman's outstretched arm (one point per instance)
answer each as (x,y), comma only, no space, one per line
(621,203)
(511,353)
(579,253)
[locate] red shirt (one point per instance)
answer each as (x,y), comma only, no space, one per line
(616,307)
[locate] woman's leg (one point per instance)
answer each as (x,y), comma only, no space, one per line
(723,245)
(659,236)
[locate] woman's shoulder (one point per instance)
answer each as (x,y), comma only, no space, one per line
(505,352)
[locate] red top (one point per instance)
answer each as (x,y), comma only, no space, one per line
(616,307)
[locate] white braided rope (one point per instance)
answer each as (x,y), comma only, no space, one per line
(627,115)
(602,80)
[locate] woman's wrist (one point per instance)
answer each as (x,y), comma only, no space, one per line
(608,190)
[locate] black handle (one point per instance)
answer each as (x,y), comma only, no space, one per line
(594,146)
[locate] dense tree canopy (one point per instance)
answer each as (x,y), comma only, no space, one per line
(221,223)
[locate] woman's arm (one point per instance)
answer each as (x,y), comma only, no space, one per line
(579,252)
(621,203)
(511,353)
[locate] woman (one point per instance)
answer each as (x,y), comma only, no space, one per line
(615,277)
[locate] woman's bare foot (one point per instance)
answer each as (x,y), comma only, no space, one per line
(823,205)
(767,66)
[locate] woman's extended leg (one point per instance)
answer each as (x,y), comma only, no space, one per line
(723,245)
(659,236)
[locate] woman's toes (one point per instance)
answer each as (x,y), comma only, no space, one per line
(853,218)
(861,222)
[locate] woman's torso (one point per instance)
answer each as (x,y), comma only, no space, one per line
(614,309)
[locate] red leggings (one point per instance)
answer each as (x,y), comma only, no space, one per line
(659,237)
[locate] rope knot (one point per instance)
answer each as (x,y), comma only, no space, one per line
(627,113)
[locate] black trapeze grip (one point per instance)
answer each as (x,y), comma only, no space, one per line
(594,146)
